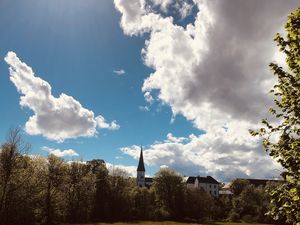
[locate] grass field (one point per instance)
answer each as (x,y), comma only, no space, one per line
(170,223)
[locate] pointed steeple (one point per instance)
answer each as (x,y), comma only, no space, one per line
(141,166)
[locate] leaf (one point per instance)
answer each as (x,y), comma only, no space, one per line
(293,190)
(285,201)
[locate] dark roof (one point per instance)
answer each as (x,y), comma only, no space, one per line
(148,179)
(141,166)
(208,179)
(258,182)
(191,180)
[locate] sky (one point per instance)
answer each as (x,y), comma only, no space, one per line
(185,79)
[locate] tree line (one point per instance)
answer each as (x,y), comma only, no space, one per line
(40,190)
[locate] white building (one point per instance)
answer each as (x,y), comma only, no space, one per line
(208,184)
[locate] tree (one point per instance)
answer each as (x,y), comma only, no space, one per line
(120,200)
(80,192)
(286,148)
(102,190)
(223,205)
(12,175)
(169,190)
(54,182)
(143,203)
(238,185)
(249,205)
(200,204)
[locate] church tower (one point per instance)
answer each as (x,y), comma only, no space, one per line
(141,171)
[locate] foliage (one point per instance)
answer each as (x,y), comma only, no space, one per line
(14,176)
(238,185)
(79,191)
(249,205)
(143,206)
(224,205)
(169,191)
(285,148)
(39,190)
(100,209)
(120,201)
(200,204)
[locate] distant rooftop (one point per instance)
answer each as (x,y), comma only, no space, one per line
(148,179)
(258,182)
(208,179)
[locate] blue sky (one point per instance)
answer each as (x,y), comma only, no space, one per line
(178,113)
(76,46)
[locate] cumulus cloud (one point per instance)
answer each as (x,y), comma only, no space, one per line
(214,72)
(129,170)
(148,97)
(104,125)
(59,152)
(185,9)
(182,7)
(163,4)
(56,118)
(119,72)
(207,155)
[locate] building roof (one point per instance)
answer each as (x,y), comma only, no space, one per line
(191,180)
(258,182)
(208,179)
(141,166)
(148,179)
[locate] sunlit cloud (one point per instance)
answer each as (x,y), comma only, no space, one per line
(56,118)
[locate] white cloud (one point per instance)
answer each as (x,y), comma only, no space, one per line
(59,152)
(144,108)
(208,155)
(76,161)
(130,170)
(131,13)
(54,118)
(214,72)
(104,125)
(171,138)
(184,8)
(119,72)
(163,4)
(148,97)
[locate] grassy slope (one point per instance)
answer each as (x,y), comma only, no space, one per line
(171,223)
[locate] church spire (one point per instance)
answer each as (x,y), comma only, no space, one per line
(141,166)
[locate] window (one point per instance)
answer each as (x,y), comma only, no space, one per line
(209,192)
(215,193)
(210,186)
